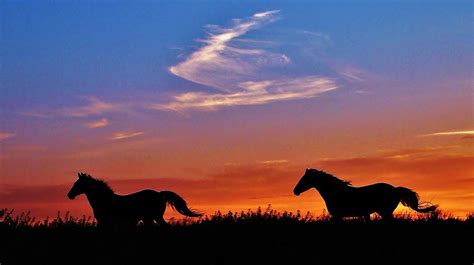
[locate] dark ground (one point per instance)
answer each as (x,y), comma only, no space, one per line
(251,238)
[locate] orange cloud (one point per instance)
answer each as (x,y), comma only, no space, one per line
(425,171)
(451,133)
(278,161)
(124,135)
(445,179)
(235,188)
(97,124)
(16,194)
(6,135)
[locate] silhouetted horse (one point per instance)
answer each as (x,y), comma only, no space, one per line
(115,210)
(343,200)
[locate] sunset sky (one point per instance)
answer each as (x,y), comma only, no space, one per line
(228,103)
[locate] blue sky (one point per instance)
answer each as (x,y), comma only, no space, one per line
(112,61)
(58,51)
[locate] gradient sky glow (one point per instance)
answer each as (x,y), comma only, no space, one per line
(227,103)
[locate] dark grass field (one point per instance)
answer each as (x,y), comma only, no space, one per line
(258,237)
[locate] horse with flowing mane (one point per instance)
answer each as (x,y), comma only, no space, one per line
(113,210)
(343,200)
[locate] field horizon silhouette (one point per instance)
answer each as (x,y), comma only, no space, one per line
(262,236)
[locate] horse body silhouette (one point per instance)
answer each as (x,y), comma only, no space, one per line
(343,200)
(111,209)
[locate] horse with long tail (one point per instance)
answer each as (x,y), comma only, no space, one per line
(343,200)
(113,210)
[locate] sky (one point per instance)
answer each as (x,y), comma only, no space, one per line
(228,102)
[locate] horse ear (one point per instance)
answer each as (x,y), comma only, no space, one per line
(80,175)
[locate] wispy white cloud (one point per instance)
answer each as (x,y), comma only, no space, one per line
(221,65)
(97,124)
(124,135)
(35,114)
(242,74)
(90,106)
(94,106)
(252,93)
(352,74)
(266,13)
(6,135)
(450,133)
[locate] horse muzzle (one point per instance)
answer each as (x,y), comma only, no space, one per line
(71,196)
(296,193)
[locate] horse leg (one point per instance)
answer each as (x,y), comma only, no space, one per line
(101,225)
(159,214)
(105,225)
(387,211)
(161,221)
(387,216)
(148,222)
(367,218)
(336,218)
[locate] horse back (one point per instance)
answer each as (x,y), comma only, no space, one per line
(373,191)
(137,205)
(382,187)
(354,201)
(143,194)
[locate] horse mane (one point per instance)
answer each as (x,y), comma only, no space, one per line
(330,179)
(100,184)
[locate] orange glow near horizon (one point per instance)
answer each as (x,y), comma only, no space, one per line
(440,175)
(231,121)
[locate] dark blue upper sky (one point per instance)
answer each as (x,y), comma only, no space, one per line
(56,51)
(83,61)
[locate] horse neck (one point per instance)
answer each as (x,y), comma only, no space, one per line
(100,198)
(327,190)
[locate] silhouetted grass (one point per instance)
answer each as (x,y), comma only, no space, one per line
(264,236)
(268,216)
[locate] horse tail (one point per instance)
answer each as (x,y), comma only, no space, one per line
(410,198)
(179,204)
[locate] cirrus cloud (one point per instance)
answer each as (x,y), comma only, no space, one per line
(97,124)
(451,133)
(243,75)
(94,106)
(253,93)
(124,135)
(91,106)
(6,135)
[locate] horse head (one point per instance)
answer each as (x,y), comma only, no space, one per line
(320,180)
(306,182)
(80,186)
